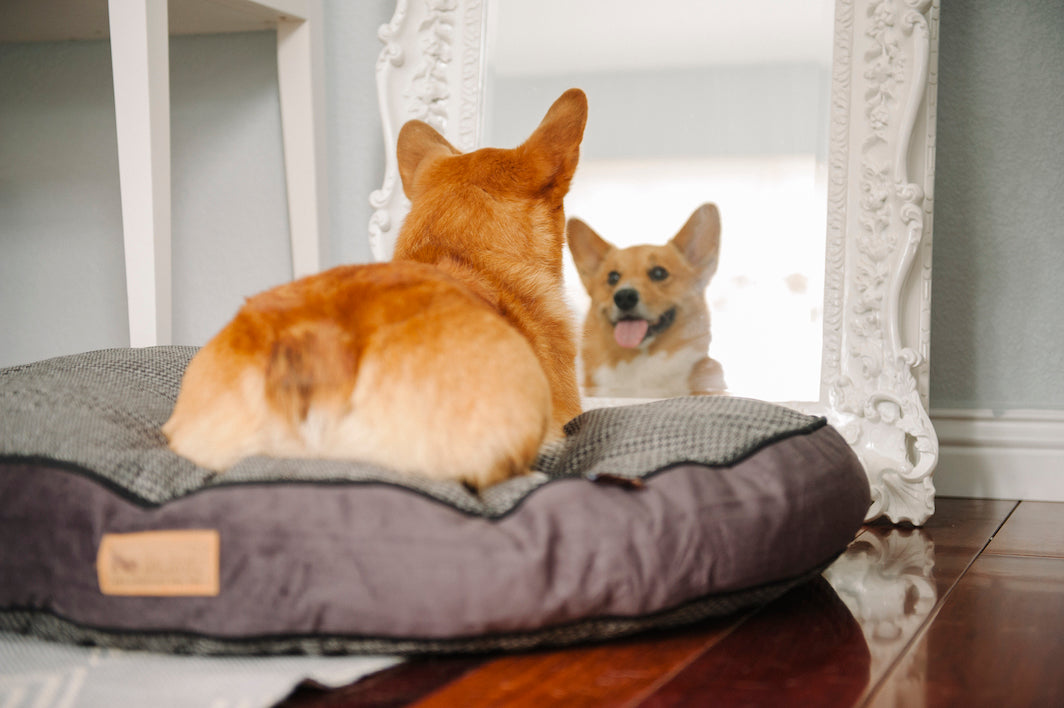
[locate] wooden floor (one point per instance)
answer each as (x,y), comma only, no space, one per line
(967,611)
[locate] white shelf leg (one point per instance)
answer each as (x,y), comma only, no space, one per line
(141,68)
(300,63)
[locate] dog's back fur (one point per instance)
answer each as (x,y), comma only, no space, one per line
(454,361)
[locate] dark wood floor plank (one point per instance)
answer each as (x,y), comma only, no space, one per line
(966,523)
(1034,529)
(996,641)
(831,644)
(396,686)
(805,649)
(614,674)
(958,532)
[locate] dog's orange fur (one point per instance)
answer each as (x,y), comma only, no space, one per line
(672,357)
(454,361)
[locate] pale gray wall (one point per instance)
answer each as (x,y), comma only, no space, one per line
(62,273)
(997,327)
(719,112)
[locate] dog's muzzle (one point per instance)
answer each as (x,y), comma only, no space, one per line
(630,329)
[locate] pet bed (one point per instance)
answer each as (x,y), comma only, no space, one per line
(650,515)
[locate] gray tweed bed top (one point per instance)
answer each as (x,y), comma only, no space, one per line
(102,411)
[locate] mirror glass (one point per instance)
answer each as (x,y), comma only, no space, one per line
(693,101)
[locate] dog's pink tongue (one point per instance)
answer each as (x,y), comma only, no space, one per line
(629,333)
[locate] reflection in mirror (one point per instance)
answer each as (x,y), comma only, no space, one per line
(695,102)
(886,579)
(646,332)
(659,129)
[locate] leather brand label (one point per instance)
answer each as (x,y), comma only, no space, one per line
(160,563)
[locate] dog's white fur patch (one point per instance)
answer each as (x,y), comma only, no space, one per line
(649,376)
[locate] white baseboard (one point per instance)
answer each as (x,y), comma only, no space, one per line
(1010,455)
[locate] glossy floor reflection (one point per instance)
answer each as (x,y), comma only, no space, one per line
(967,611)
(886,579)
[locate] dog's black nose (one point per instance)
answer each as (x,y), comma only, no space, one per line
(626,299)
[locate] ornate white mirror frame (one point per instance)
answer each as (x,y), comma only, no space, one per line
(874,372)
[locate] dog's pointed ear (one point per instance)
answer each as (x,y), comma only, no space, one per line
(555,144)
(588,249)
(418,145)
(699,240)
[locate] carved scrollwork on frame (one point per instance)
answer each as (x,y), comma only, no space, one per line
(431,69)
(874,375)
(874,371)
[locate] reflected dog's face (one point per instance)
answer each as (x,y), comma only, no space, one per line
(640,291)
(647,304)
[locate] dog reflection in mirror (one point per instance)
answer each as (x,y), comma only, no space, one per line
(646,334)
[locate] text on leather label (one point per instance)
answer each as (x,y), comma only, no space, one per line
(170,563)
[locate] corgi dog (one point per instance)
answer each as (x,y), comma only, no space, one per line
(646,334)
(456,360)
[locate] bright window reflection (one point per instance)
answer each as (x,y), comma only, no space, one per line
(766,299)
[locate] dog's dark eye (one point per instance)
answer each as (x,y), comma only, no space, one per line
(658,273)
(613,278)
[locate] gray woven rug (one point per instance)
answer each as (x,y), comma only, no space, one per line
(100,413)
